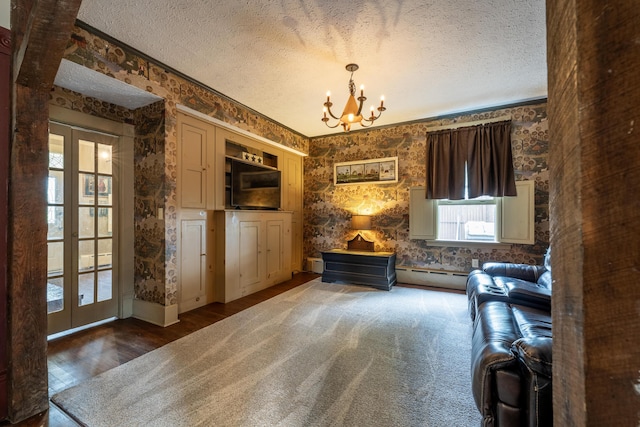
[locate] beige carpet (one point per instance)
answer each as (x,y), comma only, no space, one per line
(318,355)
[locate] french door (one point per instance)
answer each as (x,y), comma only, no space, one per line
(82,217)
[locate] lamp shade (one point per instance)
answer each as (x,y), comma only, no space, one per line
(361,222)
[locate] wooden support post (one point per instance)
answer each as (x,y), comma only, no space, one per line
(594,127)
(40,33)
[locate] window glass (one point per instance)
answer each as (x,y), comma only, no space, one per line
(467,220)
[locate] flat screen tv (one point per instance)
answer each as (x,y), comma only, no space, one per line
(254,186)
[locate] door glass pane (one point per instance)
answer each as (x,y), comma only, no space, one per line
(55,222)
(55,262)
(56,151)
(86,156)
(86,255)
(86,285)
(55,295)
(86,191)
(105,291)
(105,222)
(104,190)
(104,159)
(55,187)
(104,253)
(86,222)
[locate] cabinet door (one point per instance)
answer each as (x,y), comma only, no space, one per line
(275,247)
(193,258)
(249,253)
(193,166)
(293,188)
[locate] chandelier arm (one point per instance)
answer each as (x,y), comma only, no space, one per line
(329,110)
(361,99)
(374,118)
(326,122)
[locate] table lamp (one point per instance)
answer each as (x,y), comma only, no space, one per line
(359,243)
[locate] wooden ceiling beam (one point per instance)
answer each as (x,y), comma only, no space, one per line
(40,33)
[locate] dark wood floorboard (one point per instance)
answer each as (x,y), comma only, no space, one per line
(76,358)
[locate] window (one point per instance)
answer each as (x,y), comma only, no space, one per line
(467,220)
(481,220)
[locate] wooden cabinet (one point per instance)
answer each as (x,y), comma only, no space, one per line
(292,201)
(246,250)
(193,264)
(196,152)
(252,251)
(377,269)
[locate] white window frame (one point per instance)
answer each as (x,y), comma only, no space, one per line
(472,202)
(515,218)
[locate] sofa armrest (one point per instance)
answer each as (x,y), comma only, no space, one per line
(492,361)
(535,353)
(527,272)
(522,292)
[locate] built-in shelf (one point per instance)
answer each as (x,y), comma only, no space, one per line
(239,159)
(235,151)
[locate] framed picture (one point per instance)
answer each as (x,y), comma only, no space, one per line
(380,171)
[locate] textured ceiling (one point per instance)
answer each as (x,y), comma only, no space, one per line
(279,57)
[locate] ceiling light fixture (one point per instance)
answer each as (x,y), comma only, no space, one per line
(352,111)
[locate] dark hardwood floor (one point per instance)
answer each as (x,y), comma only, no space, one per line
(75,358)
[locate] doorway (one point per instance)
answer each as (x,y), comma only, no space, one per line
(82,283)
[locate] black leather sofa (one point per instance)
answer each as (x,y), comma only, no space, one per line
(510,306)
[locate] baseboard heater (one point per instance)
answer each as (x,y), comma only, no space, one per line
(438,278)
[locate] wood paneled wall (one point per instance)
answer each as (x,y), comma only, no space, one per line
(594,99)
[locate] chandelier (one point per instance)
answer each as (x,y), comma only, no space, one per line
(352,111)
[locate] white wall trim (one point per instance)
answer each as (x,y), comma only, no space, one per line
(439,278)
(161,315)
(186,110)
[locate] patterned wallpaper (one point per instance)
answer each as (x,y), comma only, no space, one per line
(150,248)
(156,148)
(150,190)
(85,104)
(328,208)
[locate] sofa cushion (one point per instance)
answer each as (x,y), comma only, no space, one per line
(545,280)
(530,273)
(511,364)
(532,322)
(535,353)
(521,291)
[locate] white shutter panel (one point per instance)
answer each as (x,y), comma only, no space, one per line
(518,215)
(422,215)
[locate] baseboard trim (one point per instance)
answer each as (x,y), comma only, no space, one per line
(438,278)
(161,315)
